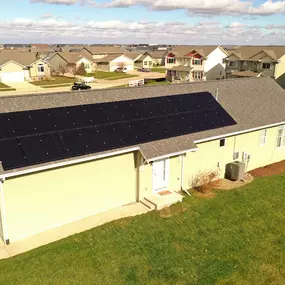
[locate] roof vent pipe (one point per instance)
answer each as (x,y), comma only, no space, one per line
(217,94)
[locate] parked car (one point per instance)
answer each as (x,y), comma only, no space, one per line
(121,69)
(80,86)
(144,69)
(88,80)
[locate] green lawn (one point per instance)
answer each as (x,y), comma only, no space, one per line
(56,81)
(109,75)
(2,85)
(57,86)
(158,69)
(238,238)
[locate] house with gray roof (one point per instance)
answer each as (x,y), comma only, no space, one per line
(195,63)
(256,61)
(89,152)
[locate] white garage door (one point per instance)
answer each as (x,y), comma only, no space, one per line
(128,67)
(12,76)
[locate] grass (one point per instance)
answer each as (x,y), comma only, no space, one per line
(235,238)
(56,81)
(2,85)
(158,69)
(109,75)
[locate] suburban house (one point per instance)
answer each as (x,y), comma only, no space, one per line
(144,61)
(195,63)
(71,61)
(99,52)
(92,151)
(17,66)
(112,62)
(256,61)
(40,48)
(158,56)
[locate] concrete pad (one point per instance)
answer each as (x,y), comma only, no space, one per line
(161,202)
(55,234)
(3,251)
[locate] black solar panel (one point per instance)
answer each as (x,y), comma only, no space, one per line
(33,137)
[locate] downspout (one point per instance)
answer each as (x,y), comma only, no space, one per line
(182,175)
(3,213)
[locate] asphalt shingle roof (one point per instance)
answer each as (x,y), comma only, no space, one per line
(21,57)
(252,103)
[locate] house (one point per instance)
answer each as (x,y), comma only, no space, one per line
(158,56)
(88,152)
(112,62)
(41,48)
(71,60)
(99,52)
(256,61)
(144,61)
(17,66)
(195,63)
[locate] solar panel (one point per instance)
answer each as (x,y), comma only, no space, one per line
(51,134)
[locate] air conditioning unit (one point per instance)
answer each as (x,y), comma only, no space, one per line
(235,170)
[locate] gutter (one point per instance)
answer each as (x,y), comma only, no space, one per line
(3,214)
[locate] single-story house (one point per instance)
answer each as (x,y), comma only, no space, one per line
(17,66)
(144,61)
(71,60)
(67,156)
(98,52)
(112,62)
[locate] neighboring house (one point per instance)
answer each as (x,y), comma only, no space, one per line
(144,61)
(159,56)
(99,52)
(87,153)
(256,61)
(16,66)
(71,60)
(41,48)
(2,47)
(112,62)
(195,63)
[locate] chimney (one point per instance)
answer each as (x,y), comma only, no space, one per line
(217,94)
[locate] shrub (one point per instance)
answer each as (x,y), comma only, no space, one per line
(81,70)
(203,180)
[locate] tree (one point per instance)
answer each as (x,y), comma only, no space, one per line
(62,69)
(73,70)
(81,69)
(121,65)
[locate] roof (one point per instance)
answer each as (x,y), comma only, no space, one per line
(246,73)
(104,49)
(181,68)
(250,52)
(180,51)
(133,55)
(143,57)
(72,57)
(23,58)
(244,99)
(107,58)
(158,54)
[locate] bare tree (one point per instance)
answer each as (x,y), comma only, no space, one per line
(121,65)
(81,69)
(73,70)
(62,69)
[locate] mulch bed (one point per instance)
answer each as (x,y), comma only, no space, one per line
(268,170)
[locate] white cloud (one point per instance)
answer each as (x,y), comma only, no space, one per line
(52,30)
(205,7)
(57,2)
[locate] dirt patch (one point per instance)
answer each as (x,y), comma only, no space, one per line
(225,184)
(206,194)
(172,211)
(269,170)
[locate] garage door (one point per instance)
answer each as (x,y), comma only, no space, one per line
(41,201)
(12,76)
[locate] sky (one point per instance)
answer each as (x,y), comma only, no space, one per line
(217,22)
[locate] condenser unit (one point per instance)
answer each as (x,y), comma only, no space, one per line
(235,170)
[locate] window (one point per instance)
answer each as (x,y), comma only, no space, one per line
(197,75)
(222,142)
(41,68)
(281,136)
(266,65)
(197,61)
(232,63)
(145,63)
(150,63)
(170,60)
(262,137)
(254,63)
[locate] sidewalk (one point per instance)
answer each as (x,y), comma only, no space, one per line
(55,234)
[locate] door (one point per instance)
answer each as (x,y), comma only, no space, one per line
(12,76)
(160,170)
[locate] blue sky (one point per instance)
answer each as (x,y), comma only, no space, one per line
(149,21)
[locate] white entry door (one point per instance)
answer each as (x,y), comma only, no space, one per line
(160,170)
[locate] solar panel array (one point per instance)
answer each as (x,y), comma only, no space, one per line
(38,136)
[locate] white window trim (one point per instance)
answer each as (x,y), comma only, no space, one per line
(282,142)
(262,137)
(197,59)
